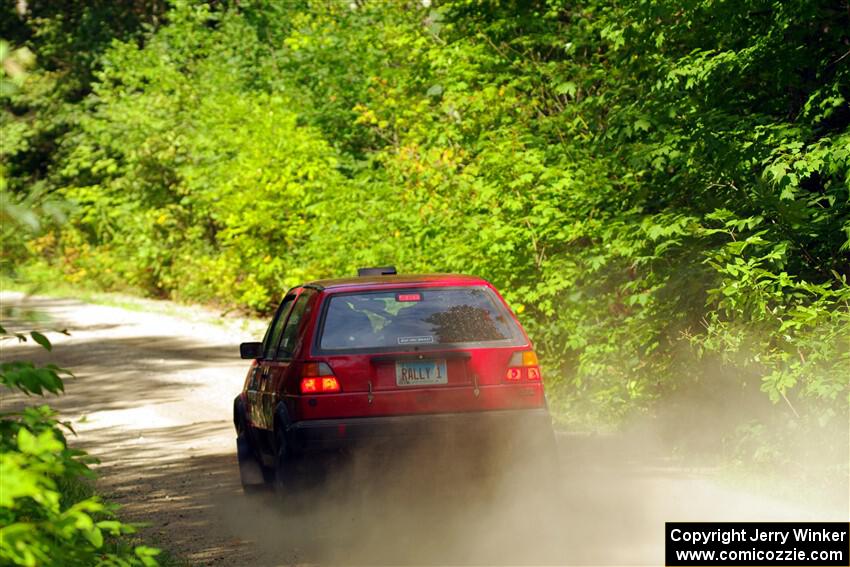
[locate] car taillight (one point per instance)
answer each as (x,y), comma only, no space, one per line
(318,378)
(523,366)
(513,374)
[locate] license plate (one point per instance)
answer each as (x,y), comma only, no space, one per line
(420,372)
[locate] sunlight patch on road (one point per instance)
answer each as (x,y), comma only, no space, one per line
(143,417)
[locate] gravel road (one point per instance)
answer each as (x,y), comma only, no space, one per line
(152,399)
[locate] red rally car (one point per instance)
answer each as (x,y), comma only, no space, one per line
(348,362)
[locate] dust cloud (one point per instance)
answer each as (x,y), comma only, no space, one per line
(435,502)
(440,503)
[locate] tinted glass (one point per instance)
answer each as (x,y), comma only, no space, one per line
(273,334)
(403,319)
(290,332)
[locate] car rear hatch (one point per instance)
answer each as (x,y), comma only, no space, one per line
(419,350)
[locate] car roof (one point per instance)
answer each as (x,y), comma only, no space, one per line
(396,280)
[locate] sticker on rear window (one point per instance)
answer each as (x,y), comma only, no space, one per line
(415,340)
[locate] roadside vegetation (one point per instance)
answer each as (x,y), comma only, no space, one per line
(660,189)
(49,513)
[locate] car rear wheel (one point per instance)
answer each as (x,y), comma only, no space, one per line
(289,475)
(252,475)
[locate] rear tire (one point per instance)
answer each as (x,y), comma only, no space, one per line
(253,475)
(288,475)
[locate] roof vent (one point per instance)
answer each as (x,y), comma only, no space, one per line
(382,271)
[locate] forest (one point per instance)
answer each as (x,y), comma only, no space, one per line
(660,189)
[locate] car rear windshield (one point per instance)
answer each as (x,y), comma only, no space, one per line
(408,319)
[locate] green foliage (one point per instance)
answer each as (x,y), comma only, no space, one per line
(48,55)
(659,189)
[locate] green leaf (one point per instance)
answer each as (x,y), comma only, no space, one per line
(41,339)
(95,537)
(568,88)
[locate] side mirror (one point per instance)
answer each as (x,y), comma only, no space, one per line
(251,350)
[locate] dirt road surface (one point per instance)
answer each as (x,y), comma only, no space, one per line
(152,399)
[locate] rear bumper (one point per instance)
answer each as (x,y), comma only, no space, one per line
(467,427)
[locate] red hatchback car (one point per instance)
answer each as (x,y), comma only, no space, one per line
(347,363)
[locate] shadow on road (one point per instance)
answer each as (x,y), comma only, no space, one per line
(120,373)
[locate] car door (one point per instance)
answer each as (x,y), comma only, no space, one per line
(261,369)
(290,340)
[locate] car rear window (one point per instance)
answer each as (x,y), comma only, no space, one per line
(405,319)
